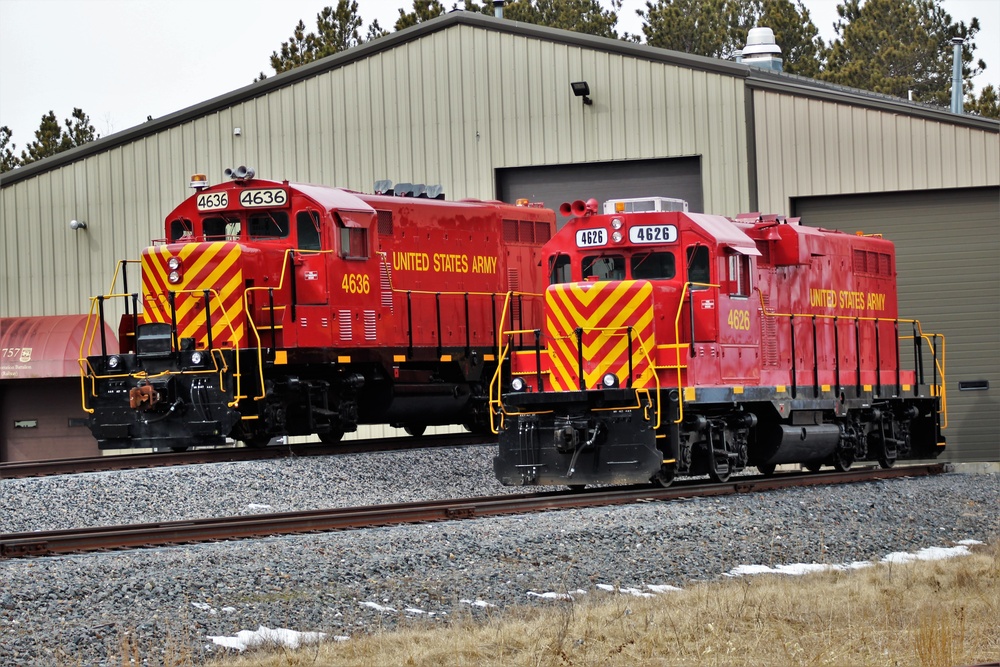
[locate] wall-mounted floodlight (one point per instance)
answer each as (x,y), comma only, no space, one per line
(77,225)
(581,89)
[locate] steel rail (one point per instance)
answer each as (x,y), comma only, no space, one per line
(50,543)
(43,468)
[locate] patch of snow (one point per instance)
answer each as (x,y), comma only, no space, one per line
(477,603)
(263,636)
(662,588)
(378,607)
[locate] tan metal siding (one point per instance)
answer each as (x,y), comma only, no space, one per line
(947,245)
(811,147)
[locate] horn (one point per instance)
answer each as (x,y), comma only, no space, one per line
(579,208)
(240,173)
(566,209)
(591,206)
(228,173)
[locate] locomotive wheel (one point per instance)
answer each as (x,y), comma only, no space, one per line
(717,475)
(842,462)
(813,466)
(665,476)
(576,488)
(767,469)
(416,430)
(178,450)
(886,462)
(256,441)
(331,438)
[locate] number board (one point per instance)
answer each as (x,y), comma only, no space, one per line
(590,238)
(261,198)
(652,234)
(210,201)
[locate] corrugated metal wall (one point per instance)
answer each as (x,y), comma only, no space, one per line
(947,250)
(448,108)
(809,147)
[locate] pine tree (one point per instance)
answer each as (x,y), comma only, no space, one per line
(8,160)
(423,10)
(337,29)
(50,138)
(897,46)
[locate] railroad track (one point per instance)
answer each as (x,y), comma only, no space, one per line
(80,540)
(228,454)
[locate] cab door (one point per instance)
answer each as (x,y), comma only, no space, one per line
(739,318)
(311,287)
(700,302)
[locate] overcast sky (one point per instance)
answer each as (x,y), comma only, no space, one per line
(123,60)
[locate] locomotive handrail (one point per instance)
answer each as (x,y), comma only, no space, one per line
(90,331)
(940,390)
(677,340)
(617,331)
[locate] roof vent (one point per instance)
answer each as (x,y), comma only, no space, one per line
(761,50)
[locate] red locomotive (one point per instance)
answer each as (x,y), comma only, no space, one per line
(277,308)
(684,343)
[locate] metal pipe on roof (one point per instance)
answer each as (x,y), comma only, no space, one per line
(956,76)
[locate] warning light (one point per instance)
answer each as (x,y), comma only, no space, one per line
(521,202)
(619,207)
(199,181)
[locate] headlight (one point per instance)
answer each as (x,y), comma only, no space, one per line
(616,237)
(174,263)
(174,277)
(616,223)
(196,358)
(114,361)
(610,380)
(517,384)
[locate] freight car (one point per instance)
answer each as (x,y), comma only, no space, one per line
(683,343)
(275,308)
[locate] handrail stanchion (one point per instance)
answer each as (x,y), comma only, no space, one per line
(171,297)
(579,356)
(538,359)
(208,318)
(104,341)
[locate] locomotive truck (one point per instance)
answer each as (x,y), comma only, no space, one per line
(275,308)
(683,343)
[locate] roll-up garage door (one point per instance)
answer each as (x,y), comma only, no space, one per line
(948,266)
(679,178)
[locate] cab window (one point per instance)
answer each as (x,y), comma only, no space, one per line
(653,266)
(353,243)
(606,267)
(698,271)
(739,275)
(179,229)
(270,225)
(560,270)
(307,230)
(219,229)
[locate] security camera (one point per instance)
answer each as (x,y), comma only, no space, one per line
(77,224)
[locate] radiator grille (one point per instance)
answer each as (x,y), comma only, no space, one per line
(345,324)
(370,333)
(385,283)
(769,333)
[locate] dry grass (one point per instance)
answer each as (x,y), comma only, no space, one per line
(931,614)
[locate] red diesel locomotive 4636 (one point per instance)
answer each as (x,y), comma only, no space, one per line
(277,308)
(684,343)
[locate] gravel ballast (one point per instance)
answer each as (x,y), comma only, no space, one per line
(167,602)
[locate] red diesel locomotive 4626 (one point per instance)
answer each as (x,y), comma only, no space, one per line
(277,308)
(684,343)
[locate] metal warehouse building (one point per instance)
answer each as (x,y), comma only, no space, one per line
(484,107)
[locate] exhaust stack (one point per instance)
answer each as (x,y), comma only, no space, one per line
(956,76)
